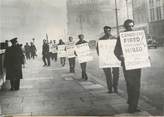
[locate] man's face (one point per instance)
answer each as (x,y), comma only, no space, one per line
(107,31)
(130,26)
(70,39)
(81,37)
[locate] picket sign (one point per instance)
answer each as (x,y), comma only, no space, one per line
(83,53)
(135,50)
(106,54)
(70,49)
(62,51)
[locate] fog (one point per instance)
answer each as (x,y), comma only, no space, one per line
(27,19)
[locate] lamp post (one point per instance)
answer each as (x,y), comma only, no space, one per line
(81,23)
(116,11)
(127,10)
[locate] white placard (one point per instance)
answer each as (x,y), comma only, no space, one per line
(107,57)
(135,50)
(70,48)
(61,51)
(83,53)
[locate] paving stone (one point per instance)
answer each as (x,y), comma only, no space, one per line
(143,113)
(68,78)
(10,100)
(93,86)
(120,108)
(86,83)
(36,78)
(12,109)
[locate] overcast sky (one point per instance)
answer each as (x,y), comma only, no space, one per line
(27,19)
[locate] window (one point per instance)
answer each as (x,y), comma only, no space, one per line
(152,15)
(158,13)
(151,2)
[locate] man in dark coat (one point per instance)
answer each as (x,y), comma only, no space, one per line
(32,50)
(45,53)
(13,64)
(27,51)
(111,74)
(132,77)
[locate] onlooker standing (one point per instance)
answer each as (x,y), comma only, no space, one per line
(83,65)
(13,64)
(111,74)
(132,77)
(27,51)
(33,50)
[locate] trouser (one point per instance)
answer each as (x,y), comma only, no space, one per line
(33,55)
(15,84)
(51,55)
(72,64)
(133,79)
(83,68)
(55,56)
(62,61)
(112,77)
(27,55)
(46,59)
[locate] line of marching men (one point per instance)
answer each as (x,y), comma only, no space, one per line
(13,61)
(132,77)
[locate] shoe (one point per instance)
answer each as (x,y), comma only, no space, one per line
(115,90)
(110,91)
(12,89)
(134,110)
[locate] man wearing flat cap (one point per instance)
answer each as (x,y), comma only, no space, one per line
(111,73)
(13,64)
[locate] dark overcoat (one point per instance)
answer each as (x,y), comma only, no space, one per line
(13,62)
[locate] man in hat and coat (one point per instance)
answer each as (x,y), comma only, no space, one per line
(13,64)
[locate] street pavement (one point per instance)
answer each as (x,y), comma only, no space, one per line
(54,91)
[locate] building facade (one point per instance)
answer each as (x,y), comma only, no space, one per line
(90,16)
(156,19)
(149,16)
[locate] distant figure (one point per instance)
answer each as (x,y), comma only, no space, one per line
(45,53)
(32,50)
(83,65)
(62,59)
(13,64)
(27,51)
(54,50)
(72,59)
(51,49)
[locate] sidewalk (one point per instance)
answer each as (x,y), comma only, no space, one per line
(54,91)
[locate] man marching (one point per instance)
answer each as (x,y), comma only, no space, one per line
(83,64)
(111,73)
(71,54)
(133,76)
